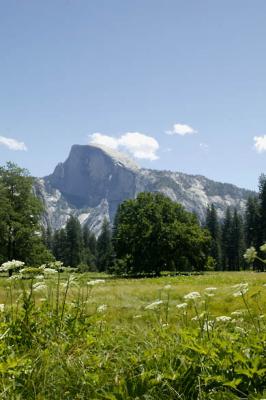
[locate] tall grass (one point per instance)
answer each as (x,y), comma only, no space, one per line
(67,338)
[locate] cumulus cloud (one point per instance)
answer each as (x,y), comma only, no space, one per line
(181,129)
(12,144)
(260,143)
(137,144)
(105,140)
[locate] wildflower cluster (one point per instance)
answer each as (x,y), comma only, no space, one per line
(11,265)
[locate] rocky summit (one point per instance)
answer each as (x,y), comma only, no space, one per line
(94,180)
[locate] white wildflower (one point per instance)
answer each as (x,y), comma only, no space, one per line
(39,287)
(192,296)
(49,271)
(40,277)
(137,316)
(70,282)
(223,318)
(102,308)
(263,248)
(167,287)
(208,325)
(181,305)
(56,265)
(240,286)
(15,277)
(11,265)
(95,282)
(240,292)
(198,317)
(237,313)
(154,305)
(250,254)
(2,307)
(210,289)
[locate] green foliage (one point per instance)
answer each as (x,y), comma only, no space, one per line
(74,244)
(233,244)
(252,222)
(105,252)
(213,226)
(262,198)
(153,233)
(59,341)
(20,212)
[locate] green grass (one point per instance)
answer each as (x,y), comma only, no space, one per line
(59,343)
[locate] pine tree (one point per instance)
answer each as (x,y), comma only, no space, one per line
(105,252)
(93,244)
(252,223)
(60,245)
(88,257)
(227,258)
(74,242)
(262,198)
(213,225)
(47,237)
(237,242)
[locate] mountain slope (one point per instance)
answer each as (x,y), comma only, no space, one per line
(94,180)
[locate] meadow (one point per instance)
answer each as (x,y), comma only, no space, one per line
(85,336)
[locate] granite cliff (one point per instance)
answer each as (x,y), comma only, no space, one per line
(94,180)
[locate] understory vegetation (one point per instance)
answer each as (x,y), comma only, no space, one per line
(78,336)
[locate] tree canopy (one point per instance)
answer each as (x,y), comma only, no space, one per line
(152,233)
(20,214)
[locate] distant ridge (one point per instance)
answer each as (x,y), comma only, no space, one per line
(95,179)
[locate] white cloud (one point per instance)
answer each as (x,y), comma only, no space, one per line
(105,140)
(140,145)
(12,144)
(260,143)
(137,144)
(181,129)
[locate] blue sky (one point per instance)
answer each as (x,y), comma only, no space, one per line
(180,85)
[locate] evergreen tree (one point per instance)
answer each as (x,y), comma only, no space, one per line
(227,250)
(213,225)
(88,256)
(60,246)
(262,198)
(47,237)
(105,252)
(93,244)
(74,242)
(252,223)
(237,242)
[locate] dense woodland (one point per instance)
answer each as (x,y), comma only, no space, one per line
(150,234)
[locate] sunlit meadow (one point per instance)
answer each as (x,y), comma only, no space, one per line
(83,336)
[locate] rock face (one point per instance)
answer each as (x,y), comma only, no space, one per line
(94,180)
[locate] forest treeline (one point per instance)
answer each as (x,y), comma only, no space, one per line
(150,234)
(231,236)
